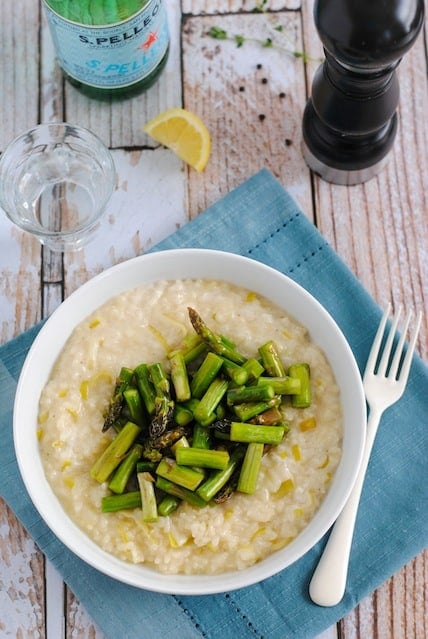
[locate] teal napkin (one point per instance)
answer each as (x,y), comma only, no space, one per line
(261,221)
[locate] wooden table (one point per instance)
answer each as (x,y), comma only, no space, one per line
(252,99)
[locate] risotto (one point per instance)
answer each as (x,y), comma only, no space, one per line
(144,325)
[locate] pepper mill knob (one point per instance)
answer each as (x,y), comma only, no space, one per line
(350,121)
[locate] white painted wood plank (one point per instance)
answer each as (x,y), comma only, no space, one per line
(79,623)
(19,80)
(51,80)
(148,204)
(55,621)
(21,600)
(330,633)
(202,7)
(20,275)
(251,99)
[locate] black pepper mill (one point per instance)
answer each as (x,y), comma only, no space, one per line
(350,122)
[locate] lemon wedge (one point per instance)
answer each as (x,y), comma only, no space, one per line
(184,133)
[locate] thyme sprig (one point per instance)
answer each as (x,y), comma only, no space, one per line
(261,6)
(221,34)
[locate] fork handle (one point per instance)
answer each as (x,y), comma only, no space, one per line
(328,582)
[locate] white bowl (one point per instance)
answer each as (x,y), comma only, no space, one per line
(181,264)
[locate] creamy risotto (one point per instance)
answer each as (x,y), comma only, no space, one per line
(143,325)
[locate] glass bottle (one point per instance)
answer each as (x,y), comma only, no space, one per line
(109,48)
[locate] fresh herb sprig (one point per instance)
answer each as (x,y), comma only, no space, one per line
(219,33)
(261,6)
(267,43)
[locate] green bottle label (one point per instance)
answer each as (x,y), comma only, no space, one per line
(112,56)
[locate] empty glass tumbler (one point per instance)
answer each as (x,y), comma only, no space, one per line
(55,182)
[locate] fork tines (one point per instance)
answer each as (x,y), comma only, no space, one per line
(396,362)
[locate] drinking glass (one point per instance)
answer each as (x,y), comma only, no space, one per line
(55,182)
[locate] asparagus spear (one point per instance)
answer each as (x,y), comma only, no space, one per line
(113,503)
(216,459)
(146,466)
(180,378)
(250,467)
(214,341)
(159,379)
(146,388)
(180,492)
(182,415)
(154,447)
(248,410)
(120,422)
(125,469)
(187,477)
(201,437)
(193,346)
(168,504)
(302,373)
(271,360)
(238,374)
(257,393)
(115,405)
(219,479)
(229,488)
(205,411)
(220,411)
(206,373)
(114,453)
(133,401)
(148,498)
(164,405)
(183,442)
(241,432)
(191,404)
(253,368)
(164,414)
(227,342)
(286,385)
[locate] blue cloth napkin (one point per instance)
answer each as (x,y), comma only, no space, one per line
(260,220)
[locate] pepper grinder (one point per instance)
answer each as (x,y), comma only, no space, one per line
(350,122)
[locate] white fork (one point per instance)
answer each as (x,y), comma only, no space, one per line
(383,387)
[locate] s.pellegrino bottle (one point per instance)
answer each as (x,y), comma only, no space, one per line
(109,48)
